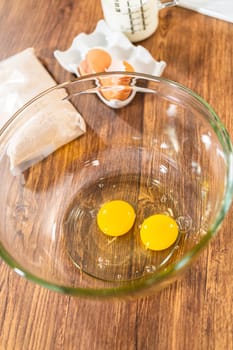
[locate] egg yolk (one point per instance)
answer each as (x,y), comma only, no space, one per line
(115,218)
(159,232)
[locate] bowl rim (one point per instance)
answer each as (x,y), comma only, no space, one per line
(151,280)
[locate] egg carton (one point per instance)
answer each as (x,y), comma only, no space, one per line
(119,47)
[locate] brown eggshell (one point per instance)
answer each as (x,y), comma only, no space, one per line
(97,61)
(118,94)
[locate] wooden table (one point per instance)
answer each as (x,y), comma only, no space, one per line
(194,313)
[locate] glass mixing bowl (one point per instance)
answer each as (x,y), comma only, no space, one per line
(148,141)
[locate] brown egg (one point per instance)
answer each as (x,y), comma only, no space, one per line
(83,67)
(122,83)
(96,61)
(116,93)
(128,66)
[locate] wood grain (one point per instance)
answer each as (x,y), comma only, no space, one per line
(194,312)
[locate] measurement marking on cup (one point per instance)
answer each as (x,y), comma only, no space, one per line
(136,15)
(142,15)
(130,18)
(117,6)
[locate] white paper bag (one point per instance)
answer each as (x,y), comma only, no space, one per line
(50,126)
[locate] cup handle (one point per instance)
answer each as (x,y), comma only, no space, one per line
(165,4)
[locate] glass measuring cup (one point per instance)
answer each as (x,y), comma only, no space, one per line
(137,19)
